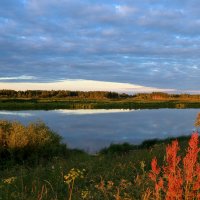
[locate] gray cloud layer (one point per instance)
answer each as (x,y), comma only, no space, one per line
(154,43)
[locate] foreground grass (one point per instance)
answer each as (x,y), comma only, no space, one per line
(116,173)
(103,176)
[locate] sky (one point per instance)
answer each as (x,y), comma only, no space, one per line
(126,45)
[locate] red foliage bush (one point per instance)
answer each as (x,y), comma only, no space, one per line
(177,178)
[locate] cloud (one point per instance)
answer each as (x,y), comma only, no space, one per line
(151,42)
(23,77)
(83,85)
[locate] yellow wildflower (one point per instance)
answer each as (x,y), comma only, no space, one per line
(9,180)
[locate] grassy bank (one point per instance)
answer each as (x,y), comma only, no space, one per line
(63,99)
(42,168)
(44,104)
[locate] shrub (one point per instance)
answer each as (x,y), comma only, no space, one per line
(118,149)
(35,140)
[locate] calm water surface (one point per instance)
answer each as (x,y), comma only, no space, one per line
(92,130)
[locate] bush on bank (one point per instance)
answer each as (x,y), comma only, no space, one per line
(34,141)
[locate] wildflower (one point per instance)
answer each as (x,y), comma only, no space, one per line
(191,157)
(69,179)
(85,194)
(72,175)
(124,184)
(172,172)
(172,159)
(142,166)
(155,170)
(176,182)
(9,180)
(191,167)
(110,184)
(100,186)
(154,176)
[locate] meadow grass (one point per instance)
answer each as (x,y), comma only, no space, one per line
(118,172)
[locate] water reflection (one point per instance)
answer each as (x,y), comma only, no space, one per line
(92,130)
(90,111)
(21,114)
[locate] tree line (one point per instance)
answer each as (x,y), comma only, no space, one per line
(165,96)
(59,94)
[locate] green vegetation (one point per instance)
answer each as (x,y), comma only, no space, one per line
(65,94)
(19,143)
(197,121)
(91,104)
(43,94)
(47,100)
(36,165)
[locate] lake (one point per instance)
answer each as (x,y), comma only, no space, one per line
(91,130)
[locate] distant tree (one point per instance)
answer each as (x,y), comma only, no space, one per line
(197,121)
(124,95)
(112,95)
